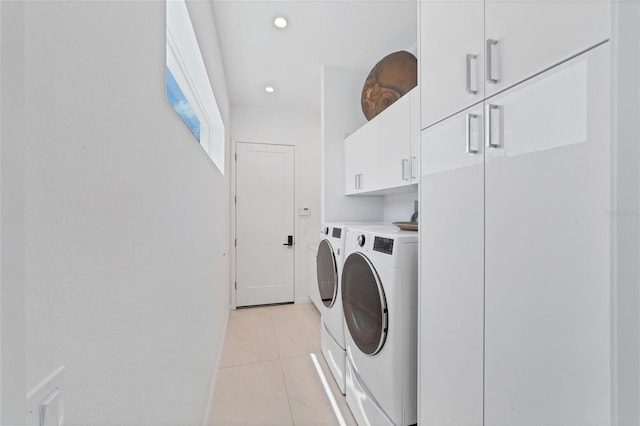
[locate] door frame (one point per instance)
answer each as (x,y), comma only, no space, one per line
(625,162)
(296,218)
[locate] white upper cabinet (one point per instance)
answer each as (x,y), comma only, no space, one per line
(360,158)
(472,49)
(451,57)
(395,131)
(383,154)
(525,37)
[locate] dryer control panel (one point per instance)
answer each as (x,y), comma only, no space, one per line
(383,245)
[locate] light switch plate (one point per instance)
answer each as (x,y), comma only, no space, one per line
(304,211)
(46,390)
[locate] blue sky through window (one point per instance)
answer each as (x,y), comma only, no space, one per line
(179,102)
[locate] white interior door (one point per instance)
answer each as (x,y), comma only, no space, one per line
(264,224)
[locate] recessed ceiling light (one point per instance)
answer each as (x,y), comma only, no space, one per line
(269,89)
(280,22)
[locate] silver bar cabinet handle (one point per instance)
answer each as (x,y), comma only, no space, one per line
(470,150)
(405,166)
(356,182)
(414,167)
(489,126)
(492,61)
(472,74)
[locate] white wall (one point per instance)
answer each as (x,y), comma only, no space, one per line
(12,226)
(126,219)
(302,130)
(341,115)
(400,207)
(201,13)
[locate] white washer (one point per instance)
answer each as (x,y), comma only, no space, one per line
(379,296)
(329,298)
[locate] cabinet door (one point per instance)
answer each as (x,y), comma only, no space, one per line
(360,161)
(547,324)
(533,35)
(450,79)
(350,165)
(451,272)
(369,156)
(394,164)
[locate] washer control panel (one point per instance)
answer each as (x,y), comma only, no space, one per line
(336,233)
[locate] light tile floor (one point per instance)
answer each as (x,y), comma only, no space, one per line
(266,374)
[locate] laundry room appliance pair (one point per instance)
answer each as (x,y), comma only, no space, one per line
(376,272)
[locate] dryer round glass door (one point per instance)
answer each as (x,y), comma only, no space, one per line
(327,270)
(364,304)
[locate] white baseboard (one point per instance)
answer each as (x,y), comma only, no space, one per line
(207,414)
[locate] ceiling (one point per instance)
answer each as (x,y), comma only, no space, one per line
(346,33)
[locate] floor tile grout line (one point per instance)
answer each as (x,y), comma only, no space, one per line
(275,333)
(300,355)
(284,379)
(286,389)
(248,363)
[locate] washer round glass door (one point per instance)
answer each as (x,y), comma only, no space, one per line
(364,304)
(327,271)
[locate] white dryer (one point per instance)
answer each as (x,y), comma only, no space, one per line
(379,297)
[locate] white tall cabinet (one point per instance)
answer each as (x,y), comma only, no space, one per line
(547,249)
(515,256)
(452,272)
